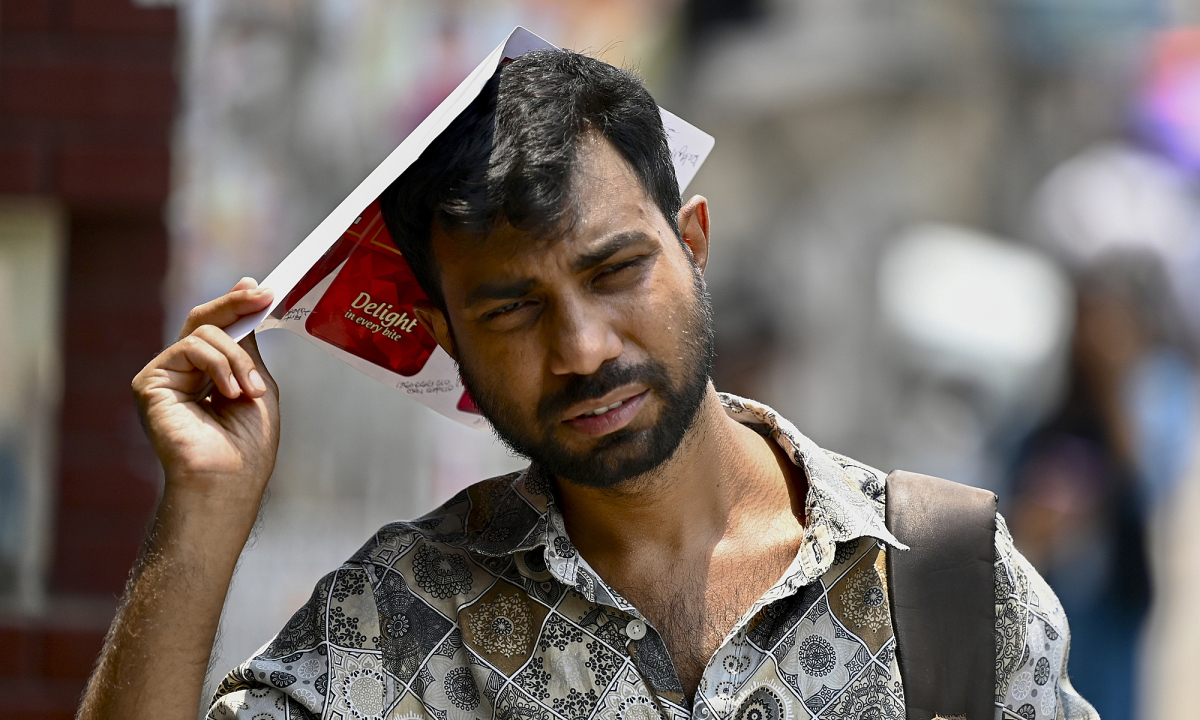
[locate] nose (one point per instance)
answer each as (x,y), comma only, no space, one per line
(581,339)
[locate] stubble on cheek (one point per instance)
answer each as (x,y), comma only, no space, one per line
(532,426)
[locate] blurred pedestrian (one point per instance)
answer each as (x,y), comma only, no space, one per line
(1090,478)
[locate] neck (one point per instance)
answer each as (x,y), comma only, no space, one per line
(722,475)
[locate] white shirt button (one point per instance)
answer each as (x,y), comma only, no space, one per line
(636,629)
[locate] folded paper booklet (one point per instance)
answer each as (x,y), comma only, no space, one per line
(347,288)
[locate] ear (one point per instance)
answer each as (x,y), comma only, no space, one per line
(693,225)
(434,321)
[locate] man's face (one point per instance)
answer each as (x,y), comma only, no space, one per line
(589,353)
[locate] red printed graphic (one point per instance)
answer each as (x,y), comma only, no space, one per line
(368,309)
(467,405)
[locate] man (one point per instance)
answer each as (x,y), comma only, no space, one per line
(669,552)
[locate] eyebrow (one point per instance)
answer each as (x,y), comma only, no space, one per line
(607,249)
(511,290)
(500,291)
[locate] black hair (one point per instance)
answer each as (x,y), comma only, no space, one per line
(510,157)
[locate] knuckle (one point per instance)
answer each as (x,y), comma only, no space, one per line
(196,313)
(140,382)
(208,334)
(211,333)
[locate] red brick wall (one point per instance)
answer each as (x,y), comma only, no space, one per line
(87,101)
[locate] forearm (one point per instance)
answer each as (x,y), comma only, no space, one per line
(157,651)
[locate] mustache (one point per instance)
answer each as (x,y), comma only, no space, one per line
(609,377)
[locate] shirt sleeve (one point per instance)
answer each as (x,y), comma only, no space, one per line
(1032,643)
(326,656)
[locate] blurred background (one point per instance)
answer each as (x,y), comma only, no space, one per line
(960,237)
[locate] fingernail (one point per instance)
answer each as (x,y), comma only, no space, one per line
(233,383)
(256,381)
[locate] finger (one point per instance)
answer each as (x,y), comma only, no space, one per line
(195,353)
(241,364)
(229,308)
(171,370)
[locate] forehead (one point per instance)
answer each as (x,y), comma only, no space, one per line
(608,199)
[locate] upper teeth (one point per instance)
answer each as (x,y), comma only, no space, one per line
(601,411)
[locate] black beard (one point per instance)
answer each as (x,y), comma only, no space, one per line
(622,454)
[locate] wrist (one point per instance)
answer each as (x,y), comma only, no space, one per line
(205,521)
(215,491)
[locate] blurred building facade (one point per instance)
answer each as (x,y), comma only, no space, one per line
(87,108)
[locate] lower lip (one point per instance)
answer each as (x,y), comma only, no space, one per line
(612,420)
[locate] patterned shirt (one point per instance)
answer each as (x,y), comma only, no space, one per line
(484,609)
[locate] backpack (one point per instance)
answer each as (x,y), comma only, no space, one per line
(942,594)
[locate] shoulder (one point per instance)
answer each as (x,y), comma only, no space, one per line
(490,515)
(1032,642)
(391,604)
(449,556)
(1031,630)
(291,675)
(434,552)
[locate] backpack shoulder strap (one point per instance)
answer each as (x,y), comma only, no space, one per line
(942,595)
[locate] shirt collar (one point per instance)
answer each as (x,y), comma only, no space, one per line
(836,511)
(835,499)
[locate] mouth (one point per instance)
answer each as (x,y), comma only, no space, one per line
(604,419)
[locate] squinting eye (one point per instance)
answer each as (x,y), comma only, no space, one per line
(503,309)
(619,267)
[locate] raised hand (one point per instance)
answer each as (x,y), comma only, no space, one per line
(209,405)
